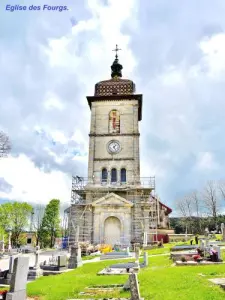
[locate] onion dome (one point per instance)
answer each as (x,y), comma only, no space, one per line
(116,85)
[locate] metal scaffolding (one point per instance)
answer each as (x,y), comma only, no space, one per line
(139,191)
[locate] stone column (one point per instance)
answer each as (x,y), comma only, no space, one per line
(35,272)
(145,259)
(36,264)
(75,259)
(9,245)
(3,244)
(145,242)
(137,253)
(223,232)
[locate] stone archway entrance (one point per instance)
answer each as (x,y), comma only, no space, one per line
(112,231)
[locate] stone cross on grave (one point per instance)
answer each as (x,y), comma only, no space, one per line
(37,252)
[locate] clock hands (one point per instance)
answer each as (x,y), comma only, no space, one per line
(114,147)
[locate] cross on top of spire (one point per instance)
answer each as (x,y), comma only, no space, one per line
(116,67)
(116,50)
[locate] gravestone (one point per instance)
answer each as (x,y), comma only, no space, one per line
(134,287)
(145,259)
(223,232)
(62,261)
(75,259)
(35,271)
(202,245)
(145,241)
(18,282)
(217,249)
(9,242)
(9,275)
(137,251)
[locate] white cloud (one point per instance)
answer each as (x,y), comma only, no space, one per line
(54,132)
(31,184)
(206,161)
(213,49)
(53,102)
(177,65)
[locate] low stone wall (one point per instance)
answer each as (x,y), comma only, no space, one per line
(180,237)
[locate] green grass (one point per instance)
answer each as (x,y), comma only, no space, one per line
(160,281)
(163,281)
(70,284)
(89,257)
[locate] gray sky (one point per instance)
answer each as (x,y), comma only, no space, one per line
(173,50)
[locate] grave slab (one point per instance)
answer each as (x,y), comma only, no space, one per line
(194,263)
(117,271)
(124,266)
(219,281)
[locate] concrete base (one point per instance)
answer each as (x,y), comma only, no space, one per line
(20,295)
(75,264)
(34,274)
(194,263)
(47,273)
(52,268)
(219,281)
(105,299)
(117,271)
(104,257)
(176,256)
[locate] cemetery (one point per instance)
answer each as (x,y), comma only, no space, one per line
(115,240)
(141,274)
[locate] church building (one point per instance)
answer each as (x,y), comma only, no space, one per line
(114,205)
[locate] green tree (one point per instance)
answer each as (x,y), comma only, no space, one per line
(50,225)
(15,217)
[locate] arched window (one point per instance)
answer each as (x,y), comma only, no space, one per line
(114,175)
(104,175)
(114,121)
(123,175)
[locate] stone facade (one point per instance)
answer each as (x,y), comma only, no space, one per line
(115,204)
(128,137)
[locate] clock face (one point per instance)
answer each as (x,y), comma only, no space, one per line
(114,147)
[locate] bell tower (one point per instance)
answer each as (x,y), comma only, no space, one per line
(113,205)
(114,155)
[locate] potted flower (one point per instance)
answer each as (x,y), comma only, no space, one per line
(183,259)
(3,294)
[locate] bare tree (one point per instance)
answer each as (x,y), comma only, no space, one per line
(5,145)
(185,208)
(211,199)
(197,208)
(221,187)
(38,214)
